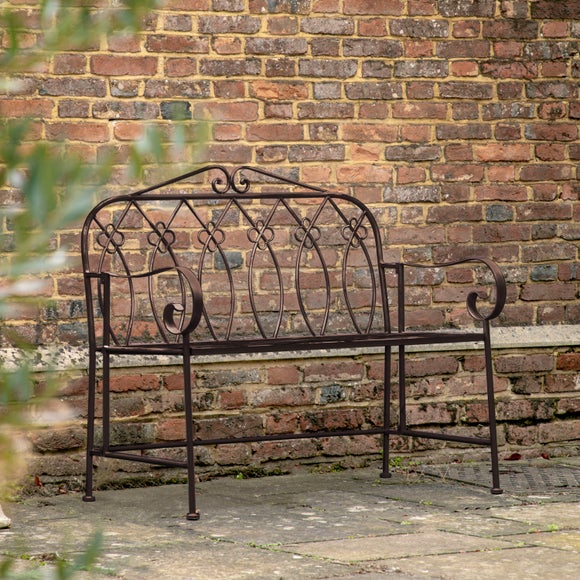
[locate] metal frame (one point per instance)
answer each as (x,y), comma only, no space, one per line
(185,326)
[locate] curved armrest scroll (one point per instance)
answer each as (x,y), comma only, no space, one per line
(182,327)
(473,297)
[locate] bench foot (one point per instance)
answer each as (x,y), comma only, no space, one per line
(496,490)
(193,516)
(385,475)
(89,498)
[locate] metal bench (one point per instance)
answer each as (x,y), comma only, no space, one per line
(218,262)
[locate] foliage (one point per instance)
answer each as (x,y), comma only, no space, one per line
(61,568)
(44,186)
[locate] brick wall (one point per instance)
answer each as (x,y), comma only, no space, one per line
(458,119)
(536,395)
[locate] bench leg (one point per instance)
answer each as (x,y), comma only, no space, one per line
(385,473)
(495,489)
(193,512)
(89,497)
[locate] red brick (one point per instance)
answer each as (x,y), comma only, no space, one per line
(324,371)
(459,152)
(234,454)
(368,132)
(232,399)
(177,43)
(463,111)
(508,49)
(372,27)
(464,69)
(523,410)
(547,291)
(238,111)
(364,174)
(551,152)
(418,49)
(278,450)
(568,406)
(479,49)
(539,172)
(69,64)
(500,152)
(457,172)
(555,10)
(430,414)
(228,132)
(501,233)
(370,152)
(522,436)
(171,430)
(113,65)
(407,175)
(466,29)
(565,431)
(284,24)
(180,67)
(568,361)
(501,193)
(282,423)
(227,45)
(561,383)
(552,132)
(26,108)
(367,7)
(510,70)
(279,90)
(554,69)
(139,382)
(238,24)
(88,132)
(54,440)
(282,397)
(419,110)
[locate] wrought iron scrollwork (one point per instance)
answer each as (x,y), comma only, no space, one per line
(235,182)
(110,239)
(354,233)
(183,326)
(211,236)
(307,233)
(161,237)
(261,234)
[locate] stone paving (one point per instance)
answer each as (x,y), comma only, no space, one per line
(435,522)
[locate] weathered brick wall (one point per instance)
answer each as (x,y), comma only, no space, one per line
(537,411)
(460,118)
(457,119)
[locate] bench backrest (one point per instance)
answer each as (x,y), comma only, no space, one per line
(275,258)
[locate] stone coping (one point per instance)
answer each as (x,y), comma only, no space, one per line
(65,357)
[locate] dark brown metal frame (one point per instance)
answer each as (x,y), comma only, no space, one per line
(103,242)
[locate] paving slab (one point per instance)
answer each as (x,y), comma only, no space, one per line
(397,546)
(544,516)
(554,539)
(513,564)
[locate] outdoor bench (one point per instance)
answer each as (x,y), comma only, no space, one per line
(219,262)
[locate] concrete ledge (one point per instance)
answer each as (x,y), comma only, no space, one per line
(64,357)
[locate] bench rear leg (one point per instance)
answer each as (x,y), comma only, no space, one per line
(495,489)
(385,473)
(193,512)
(89,497)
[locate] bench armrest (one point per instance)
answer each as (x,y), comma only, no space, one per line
(175,319)
(172,309)
(499,285)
